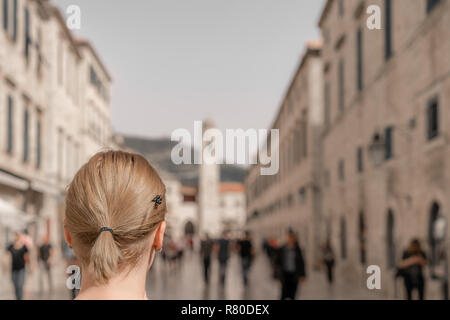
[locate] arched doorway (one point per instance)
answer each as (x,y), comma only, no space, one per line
(436,232)
(343,238)
(189,229)
(437,239)
(328,230)
(362,237)
(390,239)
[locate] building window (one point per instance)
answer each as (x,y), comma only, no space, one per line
(327,103)
(388,29)
(343,238)
(302,195)
(389,143)
(341,170)
(60,153)
(362,238)
(360,160)
(97,83)
(68,158)
(26,135)
(38,144)
(297,140)
(14,35)
(431,4)
(341,86)
(341,8)
(433,119)
(39,53)
(10,125)
(433,238)
(390,239)
(5,15)
(60,62)
(304,136)
(359,54)
(289,200)
(27,33)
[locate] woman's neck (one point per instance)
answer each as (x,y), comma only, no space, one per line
(125,286)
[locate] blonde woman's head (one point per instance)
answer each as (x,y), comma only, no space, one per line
(115,211)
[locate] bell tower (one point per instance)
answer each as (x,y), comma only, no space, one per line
(209,182)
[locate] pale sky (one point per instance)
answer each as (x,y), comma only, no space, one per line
(177,61)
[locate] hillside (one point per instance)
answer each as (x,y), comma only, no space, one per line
(158,151)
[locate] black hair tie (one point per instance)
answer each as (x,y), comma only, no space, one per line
(157,200)
(103,229)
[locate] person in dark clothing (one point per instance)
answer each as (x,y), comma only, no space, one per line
(223,254)
(19,254)
(246,252)
(411,268)
(265,246)
(205,252)
(328,261)
(290,267)
(45,263)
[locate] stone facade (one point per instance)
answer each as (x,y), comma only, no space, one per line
(382,174)
(386,147)
(291,198)
(47,95)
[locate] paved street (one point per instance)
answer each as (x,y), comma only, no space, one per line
(186,282)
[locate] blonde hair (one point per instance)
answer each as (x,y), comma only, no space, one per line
(113,190)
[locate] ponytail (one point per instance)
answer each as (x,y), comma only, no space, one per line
(105,257)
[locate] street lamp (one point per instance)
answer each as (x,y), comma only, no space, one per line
(440,226)
(440,271)
(377,150)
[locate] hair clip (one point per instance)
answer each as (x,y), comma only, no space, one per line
(157,200)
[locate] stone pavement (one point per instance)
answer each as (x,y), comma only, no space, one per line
(186,282)
(32,285)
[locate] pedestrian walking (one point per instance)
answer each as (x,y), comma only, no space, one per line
(411,269)
(272,249)
(290,267)
(18,254)
(328,261)
(223,255)
(45,257)
(206,247)
(245,248)
(180,246)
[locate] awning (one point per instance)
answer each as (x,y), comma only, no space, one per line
(12,181)
(45,188)
(12,217)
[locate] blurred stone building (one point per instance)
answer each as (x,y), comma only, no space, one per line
(54,114)
(386,167)
(380,175)
(291,198)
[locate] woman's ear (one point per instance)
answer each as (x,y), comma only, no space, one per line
(67,235)
(159,236)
